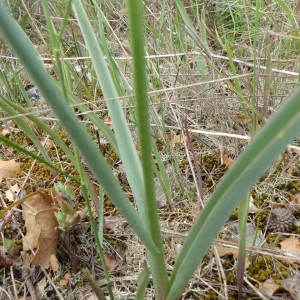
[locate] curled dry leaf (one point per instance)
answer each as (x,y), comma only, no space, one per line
(41,234)
(40,287)
(269,287)
(226,160)
(242,118)
(292,284)
(227,251)
(8,168)
(295,201)
(291,246)
(12,193)
(115,222)
(110,261)
(54,263)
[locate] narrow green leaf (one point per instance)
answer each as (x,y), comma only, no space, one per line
(28,55)
(136,29)
(243,216)
(143,282)
(126,146)
(26,128)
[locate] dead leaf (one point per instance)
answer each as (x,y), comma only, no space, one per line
(40,287)
(8,168)
(64,281)
(47,143)
(242,118)
(297,9)
(227,251)
(126,49)
(292,285)
(123,10)
(4,131)
(112,222)
(226,160)
(92,297)
(295,201)
(295,150)
(54,263)
(291,245)
(12,193)
(269,287)
(8,151)
(41,234)
(9,128)
(110,262)
(178,139)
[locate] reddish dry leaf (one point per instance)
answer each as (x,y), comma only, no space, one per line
(7,151)
(174,139)
(242,118)
(48,238)
(40,222)
(8,168)
(297,10)
(269,287)
(127,50)
(290,244)
(110,262)
(227,161)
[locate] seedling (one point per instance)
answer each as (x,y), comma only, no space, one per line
(65,197)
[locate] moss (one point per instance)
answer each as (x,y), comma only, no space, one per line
(265,267)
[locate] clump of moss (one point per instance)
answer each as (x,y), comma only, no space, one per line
(264,267)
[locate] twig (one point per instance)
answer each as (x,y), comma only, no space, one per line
(197,167)
(96,288)
(170,55)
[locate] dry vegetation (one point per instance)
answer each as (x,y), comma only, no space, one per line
(220,113)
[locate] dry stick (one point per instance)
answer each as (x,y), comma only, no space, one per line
(28,282)
(3,291)
(218,260)
(96,288)
(197,167)
(59,295)
(170,55)
(268,80)
(256,290)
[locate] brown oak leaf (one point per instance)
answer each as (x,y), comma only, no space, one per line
(40,223)
(8,168)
